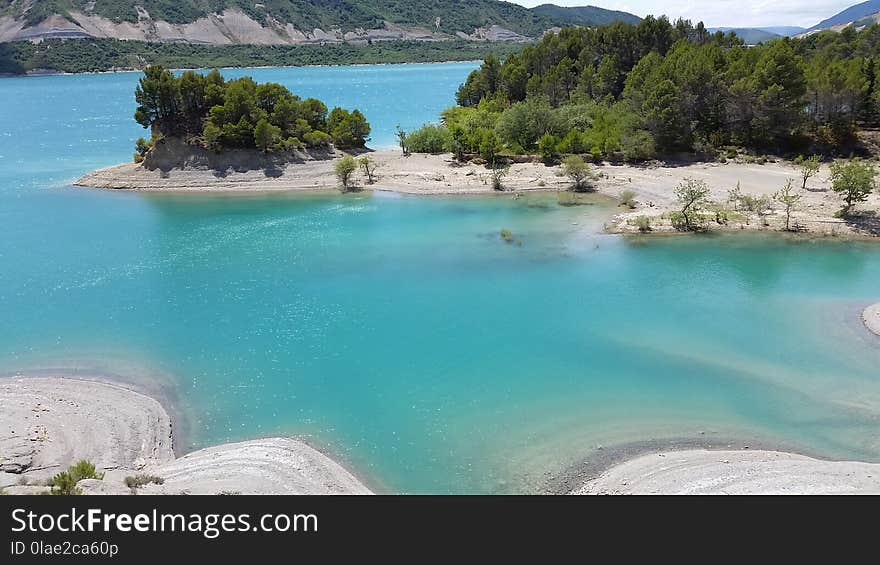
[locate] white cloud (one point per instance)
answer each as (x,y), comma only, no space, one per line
(717,13)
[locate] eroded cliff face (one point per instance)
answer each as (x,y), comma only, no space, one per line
(229,27)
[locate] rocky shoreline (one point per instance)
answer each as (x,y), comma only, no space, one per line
(50,423)
(732,472)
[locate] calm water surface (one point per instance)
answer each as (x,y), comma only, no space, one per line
(403,332)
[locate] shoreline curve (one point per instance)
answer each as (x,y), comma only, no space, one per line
(50,423)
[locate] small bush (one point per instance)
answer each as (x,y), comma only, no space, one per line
(628,199)
(142,479)
(498,174)
(575,168)
(64,483)
(141,147)
(643,223)
(344,170)
(507,235)
(679,221)
(317,139)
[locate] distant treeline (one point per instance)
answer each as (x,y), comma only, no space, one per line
(95,55)
(211,111)
(656,88)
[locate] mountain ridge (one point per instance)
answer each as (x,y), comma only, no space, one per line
(849,15)
(223,22)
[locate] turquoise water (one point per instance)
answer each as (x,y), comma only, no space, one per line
(402,332)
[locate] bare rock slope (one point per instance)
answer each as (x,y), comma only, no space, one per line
(50,423)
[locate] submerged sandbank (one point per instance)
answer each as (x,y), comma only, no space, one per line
(734,472)
(49,423)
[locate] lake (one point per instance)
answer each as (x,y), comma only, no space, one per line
(403,333)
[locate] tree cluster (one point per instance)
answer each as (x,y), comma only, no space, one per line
(636,91)
(222,113)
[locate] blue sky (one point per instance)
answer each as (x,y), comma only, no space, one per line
(716,13)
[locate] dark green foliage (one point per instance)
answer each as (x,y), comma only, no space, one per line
(634,91)
(548,147)
(854,181)
(239,113)
(429,138)
(348,129)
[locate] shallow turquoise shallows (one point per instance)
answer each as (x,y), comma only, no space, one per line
(403,333)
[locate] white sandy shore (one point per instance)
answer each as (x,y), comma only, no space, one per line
(48,424)
(871,317)
(735,472)
(440,174)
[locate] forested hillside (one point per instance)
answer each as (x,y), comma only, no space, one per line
(446,16)
(657,88)
(94,55)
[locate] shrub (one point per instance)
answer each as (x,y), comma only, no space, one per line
(490,147)
(430,138)
(344,170)
(142,479)
(854,180)
(507,235)
(575,168)
(293,144)
(574,142)
(548,148)
(498,174)
(141,147)
(628,199)
(643,223)
(64,483)
(692,194)
(317,138)
(638,146)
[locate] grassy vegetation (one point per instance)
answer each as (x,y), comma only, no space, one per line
(95,55)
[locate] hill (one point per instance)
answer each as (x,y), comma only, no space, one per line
(275,22)
(785,31)
(850,15)
(583,15)
(751,36)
